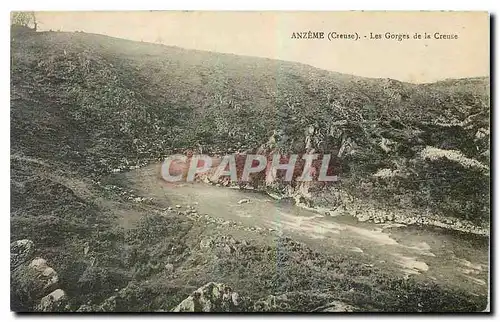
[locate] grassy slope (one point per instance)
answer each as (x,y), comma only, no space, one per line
(82,105)
(109,103)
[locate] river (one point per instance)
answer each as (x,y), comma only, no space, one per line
(451,258)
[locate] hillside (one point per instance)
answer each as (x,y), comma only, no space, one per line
(111,103)
(83,105)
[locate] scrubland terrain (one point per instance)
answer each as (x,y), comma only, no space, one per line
(89,111)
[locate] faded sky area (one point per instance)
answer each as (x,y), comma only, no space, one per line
(268,34)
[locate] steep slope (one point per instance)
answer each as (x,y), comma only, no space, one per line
(97,103)
(83,105)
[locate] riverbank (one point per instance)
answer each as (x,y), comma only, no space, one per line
(362,211)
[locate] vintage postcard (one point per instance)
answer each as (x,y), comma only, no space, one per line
(197,161)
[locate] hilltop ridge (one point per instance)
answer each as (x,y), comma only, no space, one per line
(85,107)
(126,102)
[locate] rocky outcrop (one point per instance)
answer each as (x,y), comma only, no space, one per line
(272,303)
(34,284)
(212,297)
(45,273)
(21,251)
(53,301)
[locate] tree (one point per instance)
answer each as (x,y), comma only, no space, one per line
(25,19)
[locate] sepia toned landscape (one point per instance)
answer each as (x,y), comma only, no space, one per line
(95,228)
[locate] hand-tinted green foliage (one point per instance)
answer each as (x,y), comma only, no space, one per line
(83,105)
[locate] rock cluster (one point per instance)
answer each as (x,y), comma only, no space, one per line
(380,216)
(272,303)
(40,281)
(52,301)
(212,297)
(45,273)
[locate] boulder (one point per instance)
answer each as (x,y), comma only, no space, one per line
(53,301)
(21,251)
(45,273)
(212,297)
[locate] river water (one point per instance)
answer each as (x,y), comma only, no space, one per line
(447,257)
